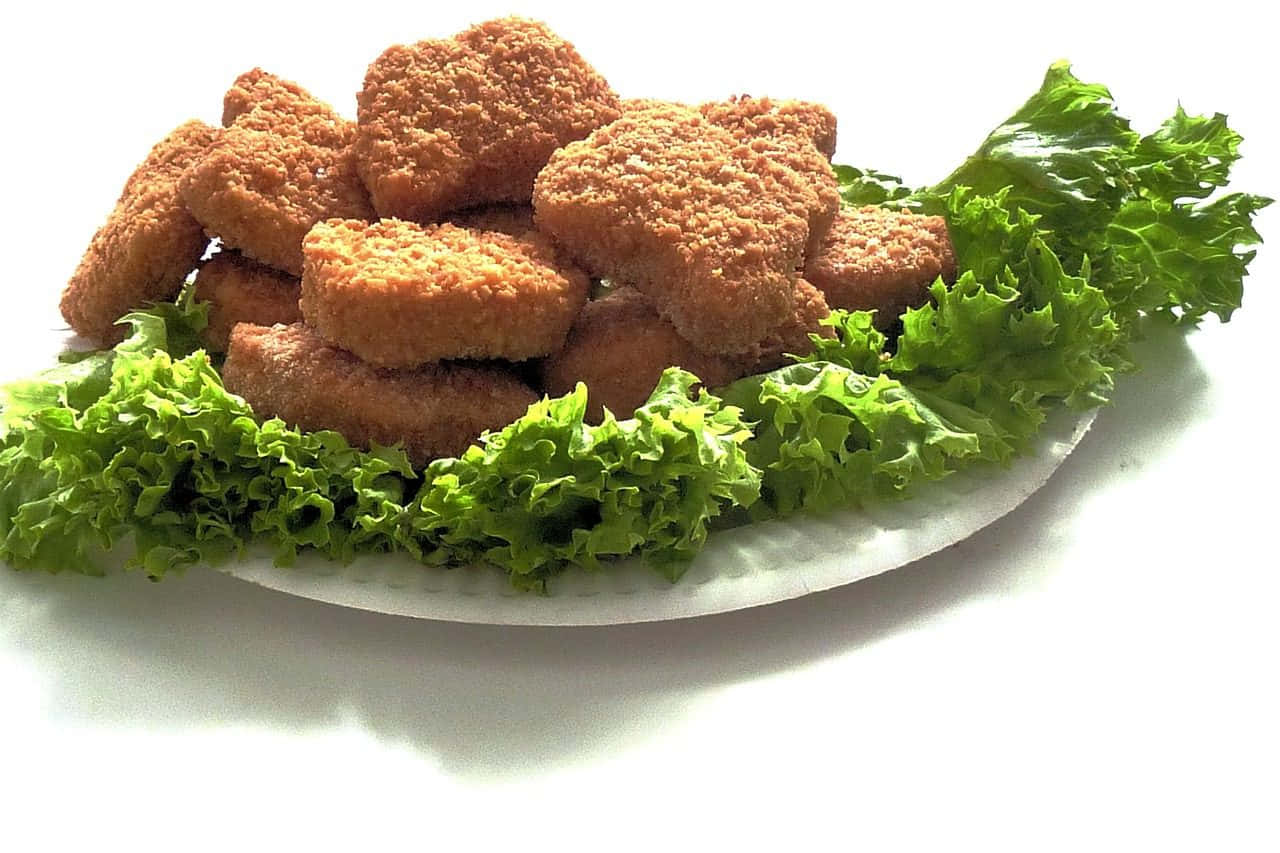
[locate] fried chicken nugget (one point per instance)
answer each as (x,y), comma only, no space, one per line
(147,246)
(259,100)
(459,122)
(712,230)
(437,410)
(240,290)
(619,347)
(286,162)
(748,116)
(399,294)
(882,260)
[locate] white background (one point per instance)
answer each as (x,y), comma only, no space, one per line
(1096,671)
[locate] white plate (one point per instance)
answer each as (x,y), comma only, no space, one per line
(745,567)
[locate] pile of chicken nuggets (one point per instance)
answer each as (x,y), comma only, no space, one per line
(424,273)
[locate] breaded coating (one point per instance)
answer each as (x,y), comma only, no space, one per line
(744,115)
(289,372)
(635,105)
(619,347)
(882,260)
(713,231)
(791,133)
(147,246)
(239,290)
(399,294)
(259,100)
(513,219)
(792,337)
(286,162)
(453,123)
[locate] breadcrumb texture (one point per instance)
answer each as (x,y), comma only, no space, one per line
(286,162)
(147,246)
(619,347)
(711,229)
(289,372)
(744,115)
(453,123)
(399,294)
(239,290)
(796,134)
(881,260)
(809,308)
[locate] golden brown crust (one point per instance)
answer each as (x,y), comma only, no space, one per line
(437,410)
(798,134)
(453,123)
(636,105)
(792,337)
(286,162)
(399,294)
(259,100)
(619,347)
(261,192)
(712,230)
(239,290)
(744,115)
(147,246)
(882,260)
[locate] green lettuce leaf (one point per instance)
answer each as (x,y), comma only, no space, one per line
(550,490)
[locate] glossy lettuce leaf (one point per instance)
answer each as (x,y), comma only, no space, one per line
(551,490)
(1141,209)
(828,436)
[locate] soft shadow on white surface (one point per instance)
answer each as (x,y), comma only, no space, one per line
(207,650)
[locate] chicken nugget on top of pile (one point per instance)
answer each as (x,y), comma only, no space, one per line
(469,120)
(711,229)
(147,246)
(750,116)
(399,294)
(882,260)
(289,372)
(619,347)
(286,162)
(240,290)
(259,100)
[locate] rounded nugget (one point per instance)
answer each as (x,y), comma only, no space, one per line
(882,260)
(399,294)
(619,347)
(286,162)
(711,229)
(259,100)
(239,290)
(438,410)
(748,116)
(147,246)
(451,123)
